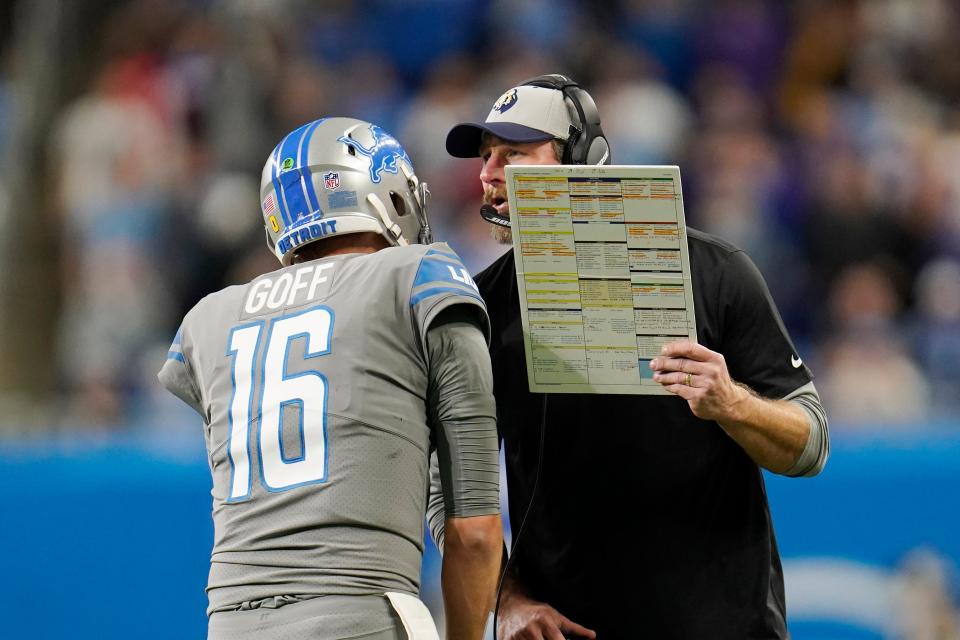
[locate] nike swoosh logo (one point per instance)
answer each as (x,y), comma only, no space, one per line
(796,362)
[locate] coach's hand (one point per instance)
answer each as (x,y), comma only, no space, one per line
(699,376)
(521,618)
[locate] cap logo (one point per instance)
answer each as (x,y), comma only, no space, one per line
(505,101)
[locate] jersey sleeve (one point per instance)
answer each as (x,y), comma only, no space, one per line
(755,344)
(441,281)
(177,375)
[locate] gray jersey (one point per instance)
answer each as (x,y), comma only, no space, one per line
(312,382)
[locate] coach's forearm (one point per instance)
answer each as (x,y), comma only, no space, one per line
(471,566)
(772,432)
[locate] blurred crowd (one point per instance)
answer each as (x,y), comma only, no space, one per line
(821,136)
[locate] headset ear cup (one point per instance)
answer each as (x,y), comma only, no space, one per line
(587,145)
(571,148)
(599,151)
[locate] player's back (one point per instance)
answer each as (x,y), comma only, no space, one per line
(312,381)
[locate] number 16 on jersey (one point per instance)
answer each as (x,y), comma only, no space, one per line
(268,392)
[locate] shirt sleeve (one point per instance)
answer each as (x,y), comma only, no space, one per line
(441,281)
(817,449)
(754,341)
(177,375)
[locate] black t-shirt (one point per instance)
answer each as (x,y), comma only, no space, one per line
(649,522)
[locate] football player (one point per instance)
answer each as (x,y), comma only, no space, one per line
(323,387)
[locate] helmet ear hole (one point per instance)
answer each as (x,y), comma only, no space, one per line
(398,204)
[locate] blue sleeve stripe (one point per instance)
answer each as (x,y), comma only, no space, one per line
(434,291)
(450,253)
(430,271)
(438,252)
(177,345)
(174,355)
(433,268)
(443,260)
(312,199)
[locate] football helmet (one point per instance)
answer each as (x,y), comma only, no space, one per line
(336,176)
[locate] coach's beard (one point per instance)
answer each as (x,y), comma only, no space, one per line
(501,235)
(498,199)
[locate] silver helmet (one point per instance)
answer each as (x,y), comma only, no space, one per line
(336,176)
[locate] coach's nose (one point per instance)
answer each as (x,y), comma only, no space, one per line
(491,172)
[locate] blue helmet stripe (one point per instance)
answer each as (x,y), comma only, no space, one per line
(275,172)
(312,199)
(289,148)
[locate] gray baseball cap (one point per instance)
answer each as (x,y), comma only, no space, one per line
(523,114)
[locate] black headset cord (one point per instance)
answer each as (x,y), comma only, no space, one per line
(533,495)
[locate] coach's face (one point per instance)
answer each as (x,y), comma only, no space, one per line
(495,154)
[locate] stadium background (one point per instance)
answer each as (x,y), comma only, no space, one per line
(821,136)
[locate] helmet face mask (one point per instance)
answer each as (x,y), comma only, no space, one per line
(337,176)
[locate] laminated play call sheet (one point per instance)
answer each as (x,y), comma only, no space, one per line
(603,272)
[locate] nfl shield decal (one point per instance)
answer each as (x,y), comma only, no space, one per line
(331,180)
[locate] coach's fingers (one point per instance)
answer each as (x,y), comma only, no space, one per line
(687,379)
(682,390)
(553,631)
(568,626)
(687,349)
(683,365)
(526,619)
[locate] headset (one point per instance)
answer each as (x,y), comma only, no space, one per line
(586,144)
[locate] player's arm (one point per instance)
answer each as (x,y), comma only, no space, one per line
(787,436)
(435,512)
(463,415)
(177,375)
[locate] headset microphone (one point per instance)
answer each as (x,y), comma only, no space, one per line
(489,213)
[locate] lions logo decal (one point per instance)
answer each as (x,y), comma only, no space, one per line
(505,101)
(383,154)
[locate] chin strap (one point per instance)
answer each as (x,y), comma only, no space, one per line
(396,233)
(423,195)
